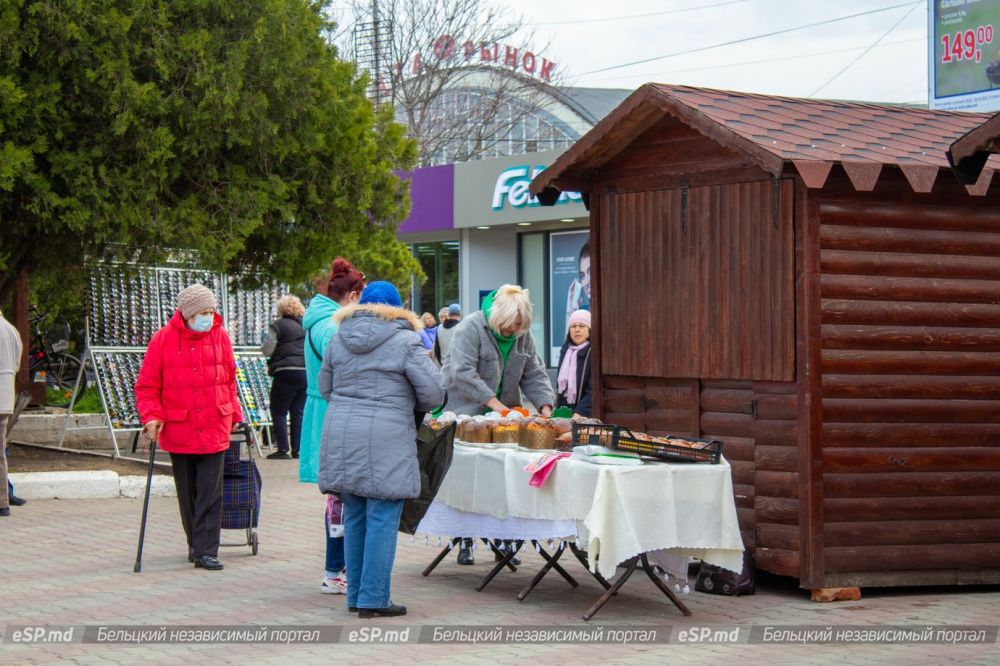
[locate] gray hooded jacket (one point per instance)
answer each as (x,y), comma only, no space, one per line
(375,372)
(473,368)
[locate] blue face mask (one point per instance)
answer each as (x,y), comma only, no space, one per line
(202,323)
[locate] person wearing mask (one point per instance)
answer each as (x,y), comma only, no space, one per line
(188,403)
(573,385)
(377,376)
(492,364)
(286,365)
(340,288)
(11,349)
(446,330)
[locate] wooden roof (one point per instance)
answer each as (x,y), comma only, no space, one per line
(969,153)
(775,132)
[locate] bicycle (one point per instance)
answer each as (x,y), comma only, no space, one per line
(49,353)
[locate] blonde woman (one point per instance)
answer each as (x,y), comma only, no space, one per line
(492,365)
(286,363)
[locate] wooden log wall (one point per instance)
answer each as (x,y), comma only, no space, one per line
(911,388)
(756,421)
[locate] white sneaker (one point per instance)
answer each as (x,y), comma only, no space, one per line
(335,585)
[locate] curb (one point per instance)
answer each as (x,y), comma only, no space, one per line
(101,484)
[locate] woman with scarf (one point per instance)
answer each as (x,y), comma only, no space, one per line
(573,384)
(492,364)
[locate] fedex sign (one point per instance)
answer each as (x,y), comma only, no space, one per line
(511,187)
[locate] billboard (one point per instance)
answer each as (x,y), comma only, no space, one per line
(964,54)
(569,282)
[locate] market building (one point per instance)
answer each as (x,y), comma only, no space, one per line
(808,282)
(474,225)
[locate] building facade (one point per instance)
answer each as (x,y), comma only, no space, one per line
(474,226)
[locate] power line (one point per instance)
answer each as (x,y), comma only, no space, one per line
(866,51)
(636,16)
(744,63)
(752,38)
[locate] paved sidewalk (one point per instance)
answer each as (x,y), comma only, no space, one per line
(70,563)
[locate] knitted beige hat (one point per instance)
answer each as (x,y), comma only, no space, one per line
(194,299)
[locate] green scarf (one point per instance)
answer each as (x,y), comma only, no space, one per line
(504,342)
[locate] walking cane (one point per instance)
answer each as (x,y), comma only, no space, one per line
(145,504)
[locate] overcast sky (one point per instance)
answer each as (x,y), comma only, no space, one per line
(800,62)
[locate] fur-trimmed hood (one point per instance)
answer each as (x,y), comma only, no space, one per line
(364,328)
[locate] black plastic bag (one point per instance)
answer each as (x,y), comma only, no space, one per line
(434,449)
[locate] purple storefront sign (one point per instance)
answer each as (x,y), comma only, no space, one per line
(432,194)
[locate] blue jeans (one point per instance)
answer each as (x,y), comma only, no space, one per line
(370,528)
(334,552)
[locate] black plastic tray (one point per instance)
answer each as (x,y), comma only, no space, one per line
(619,437)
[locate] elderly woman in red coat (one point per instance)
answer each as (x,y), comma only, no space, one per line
(187,399)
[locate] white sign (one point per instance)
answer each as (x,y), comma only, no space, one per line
(511,188)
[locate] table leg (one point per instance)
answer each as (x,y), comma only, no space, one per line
(551,562)
(663,586)
(611,591)
(508,556)
(496,551)
(440,556)
(582,556)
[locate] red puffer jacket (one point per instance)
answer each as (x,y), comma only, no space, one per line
(188,381)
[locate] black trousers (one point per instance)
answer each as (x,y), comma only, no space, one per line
(288,396)
(199,494)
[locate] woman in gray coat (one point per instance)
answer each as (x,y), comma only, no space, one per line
(492,365)
(375,374)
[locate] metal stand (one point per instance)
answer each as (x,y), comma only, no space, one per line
(89,356)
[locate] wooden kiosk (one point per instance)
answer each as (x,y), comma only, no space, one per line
(809,282)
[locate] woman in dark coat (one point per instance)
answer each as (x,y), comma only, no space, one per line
(573,387)
(286,363)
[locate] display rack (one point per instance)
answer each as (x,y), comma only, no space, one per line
(255,387)
(127,304)
(249,312)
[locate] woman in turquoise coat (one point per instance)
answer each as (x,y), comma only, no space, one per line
(344,286)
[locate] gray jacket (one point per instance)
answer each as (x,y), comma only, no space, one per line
(10,360)
(375,372)
(473,368)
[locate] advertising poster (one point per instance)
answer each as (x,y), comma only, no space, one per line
(965,55)
(569,282)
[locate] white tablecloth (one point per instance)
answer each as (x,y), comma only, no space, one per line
(443,520)
(684,510)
